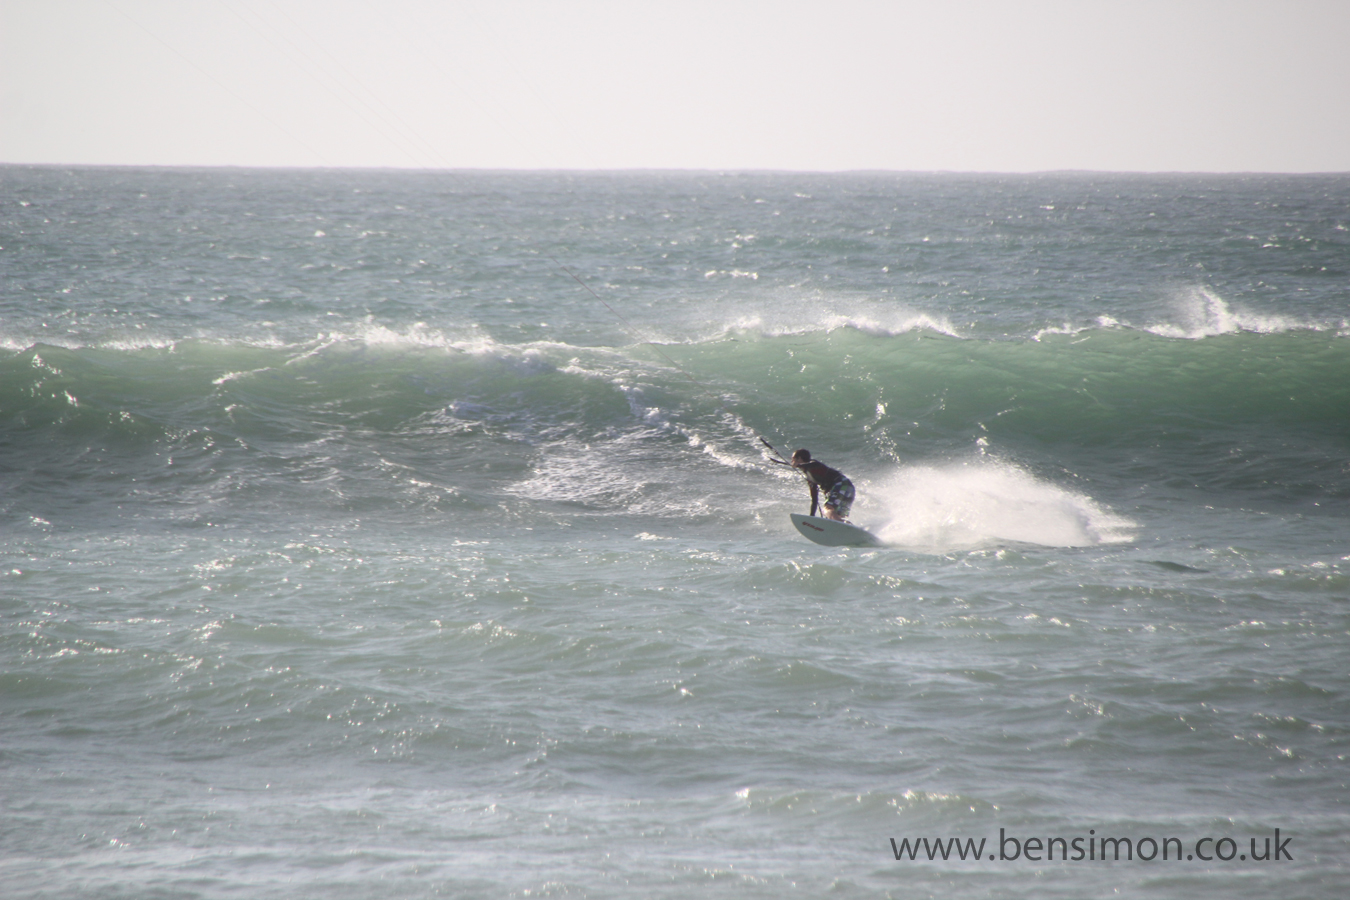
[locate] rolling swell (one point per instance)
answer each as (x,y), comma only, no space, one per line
(201,428)
(199,425)
(1239,412)
(1091,387)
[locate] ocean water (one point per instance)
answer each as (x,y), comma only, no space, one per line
(396,535)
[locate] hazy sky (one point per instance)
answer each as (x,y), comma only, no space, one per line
(1135,85)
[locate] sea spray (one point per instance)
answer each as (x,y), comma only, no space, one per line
(981,503)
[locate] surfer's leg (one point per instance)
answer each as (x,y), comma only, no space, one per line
(840,501)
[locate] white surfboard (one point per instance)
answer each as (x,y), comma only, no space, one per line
(832,533)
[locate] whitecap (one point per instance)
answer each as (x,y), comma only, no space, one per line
(986,501)
(1202,313)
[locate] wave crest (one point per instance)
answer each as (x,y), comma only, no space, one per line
(1203,313)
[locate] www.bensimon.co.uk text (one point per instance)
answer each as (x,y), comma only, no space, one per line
(1092,848)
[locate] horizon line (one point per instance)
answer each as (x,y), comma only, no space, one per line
(692,170)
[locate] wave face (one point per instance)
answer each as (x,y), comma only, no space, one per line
(405,534)
(414,421)
(306,338)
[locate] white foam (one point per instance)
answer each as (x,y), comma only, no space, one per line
(984,502)
(788,323)
(1201,313)
(1070,330)
(615,475)
(235,376)
(15,344)
(417,335)
(420,336)
(1197,313)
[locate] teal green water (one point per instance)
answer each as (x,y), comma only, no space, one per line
(352,548)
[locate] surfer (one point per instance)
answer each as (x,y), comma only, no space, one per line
(820,477)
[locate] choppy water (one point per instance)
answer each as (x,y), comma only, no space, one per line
(353,549)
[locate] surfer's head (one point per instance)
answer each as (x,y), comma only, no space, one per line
(801,457)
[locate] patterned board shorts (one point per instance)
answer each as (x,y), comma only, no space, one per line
(840,497)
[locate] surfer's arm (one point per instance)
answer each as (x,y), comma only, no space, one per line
(815,496)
